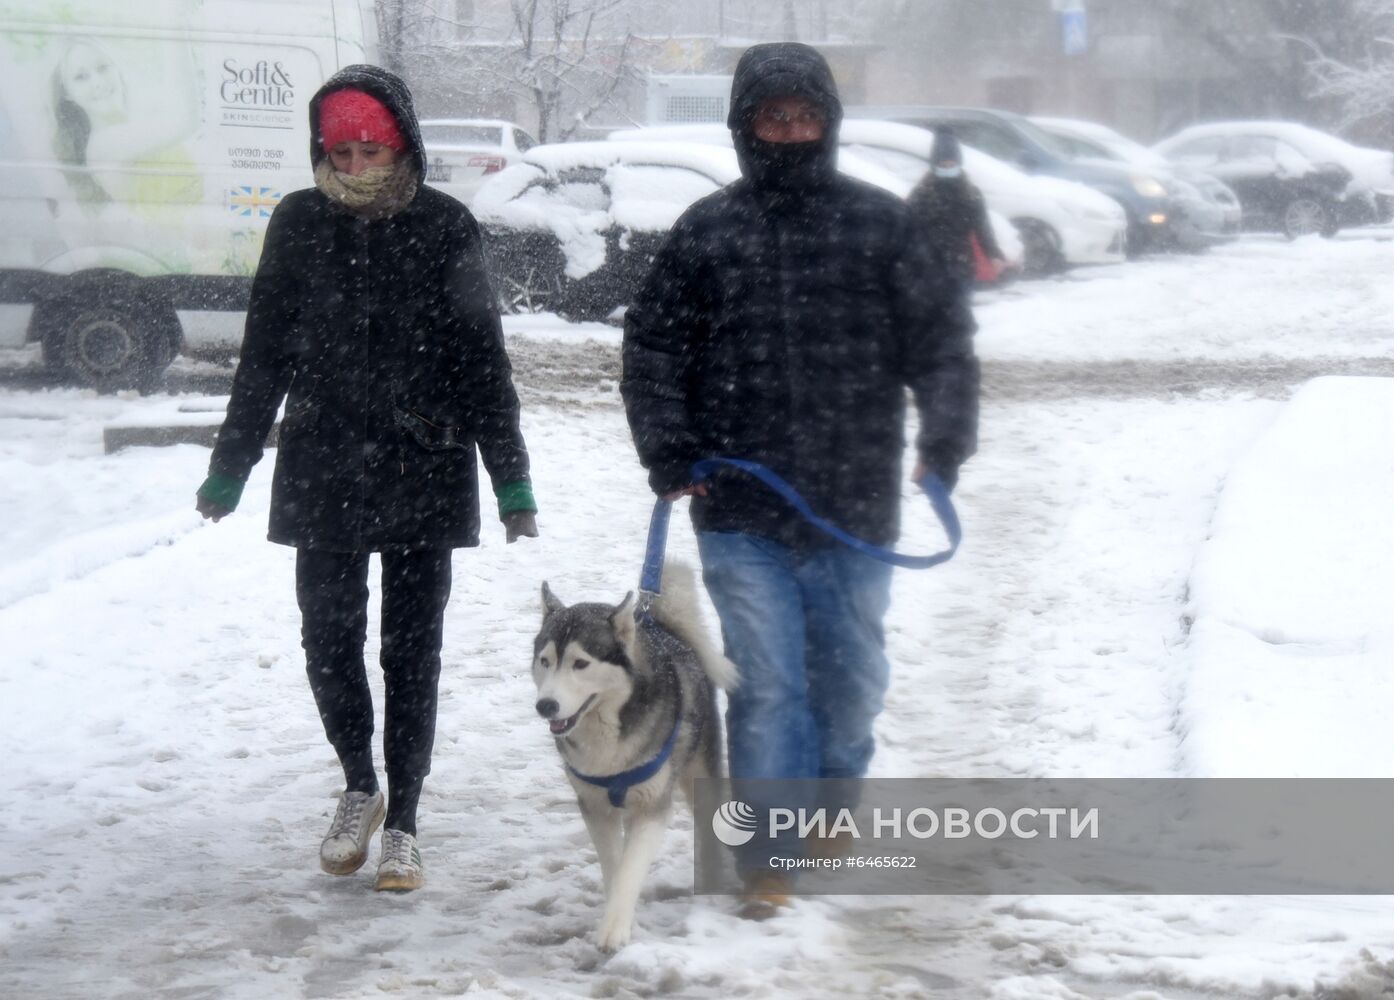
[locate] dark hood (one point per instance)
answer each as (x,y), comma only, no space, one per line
(388,88)
(780,69)
(946,147)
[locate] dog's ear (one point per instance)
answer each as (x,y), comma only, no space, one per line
(550,604)
(623,623)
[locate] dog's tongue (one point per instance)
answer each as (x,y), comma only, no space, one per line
(558,725)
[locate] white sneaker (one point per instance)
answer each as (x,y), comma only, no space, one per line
(345,847)
(400,868)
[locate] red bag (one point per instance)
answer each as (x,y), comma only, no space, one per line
(985,270)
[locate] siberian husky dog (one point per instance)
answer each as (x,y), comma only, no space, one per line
(631,701)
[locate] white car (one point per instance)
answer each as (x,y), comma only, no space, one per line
(461,152)
(1368,194)
(1061,222)
(574,227)
(851,162)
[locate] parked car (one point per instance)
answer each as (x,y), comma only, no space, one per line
(1288,176)
(461,152)
(1060,222)
(1204,210)
(1014,140)
(574,227)
(1280,189)
(864,165)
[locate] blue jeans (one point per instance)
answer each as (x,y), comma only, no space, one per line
(805,631)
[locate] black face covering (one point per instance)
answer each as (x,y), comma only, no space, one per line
(784,167)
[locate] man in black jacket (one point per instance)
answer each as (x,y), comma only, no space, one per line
(372,316)
(781,323)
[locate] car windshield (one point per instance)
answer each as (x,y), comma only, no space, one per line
(1109,146)
(461,135)
(1082,148)
(1044,139)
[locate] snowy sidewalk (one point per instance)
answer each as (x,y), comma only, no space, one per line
(166,780)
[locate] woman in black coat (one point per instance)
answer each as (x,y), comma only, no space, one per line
(951,211)
(371,315)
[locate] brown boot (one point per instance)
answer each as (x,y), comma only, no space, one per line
(766,893)
(839,845)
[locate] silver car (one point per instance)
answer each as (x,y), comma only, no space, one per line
(461,152)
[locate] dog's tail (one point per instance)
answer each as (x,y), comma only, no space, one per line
(677,610)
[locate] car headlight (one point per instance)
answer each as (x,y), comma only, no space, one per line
(1149,187)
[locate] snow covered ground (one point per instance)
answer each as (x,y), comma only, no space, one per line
(166,780)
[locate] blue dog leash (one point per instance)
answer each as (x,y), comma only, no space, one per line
(931,484)
(650,578)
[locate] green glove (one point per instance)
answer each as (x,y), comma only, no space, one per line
(225,491)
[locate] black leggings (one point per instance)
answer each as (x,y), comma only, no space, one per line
(332,590)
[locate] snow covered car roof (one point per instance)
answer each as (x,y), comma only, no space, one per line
(630,202)
(637,186)
(719,163)
(1372,169)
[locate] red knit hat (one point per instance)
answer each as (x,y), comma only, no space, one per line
(351,115)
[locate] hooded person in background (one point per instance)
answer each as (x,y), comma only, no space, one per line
(372,316)
(781,323)
(951,211)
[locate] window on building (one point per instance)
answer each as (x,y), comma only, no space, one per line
(687,109)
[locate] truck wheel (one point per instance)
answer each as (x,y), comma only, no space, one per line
(107,346)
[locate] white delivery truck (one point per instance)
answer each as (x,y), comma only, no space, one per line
(143,147)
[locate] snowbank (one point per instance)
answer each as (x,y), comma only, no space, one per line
(1292,596)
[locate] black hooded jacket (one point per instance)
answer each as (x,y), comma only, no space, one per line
(782,322)
(383,337)
(951,210)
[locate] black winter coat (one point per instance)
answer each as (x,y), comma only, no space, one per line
(783,326)
(384,339)
(949,212)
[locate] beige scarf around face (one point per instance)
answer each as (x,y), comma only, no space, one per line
(376,193)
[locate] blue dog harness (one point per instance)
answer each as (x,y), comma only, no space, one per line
(618,785)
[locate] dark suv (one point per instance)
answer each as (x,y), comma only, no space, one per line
(1018,141)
